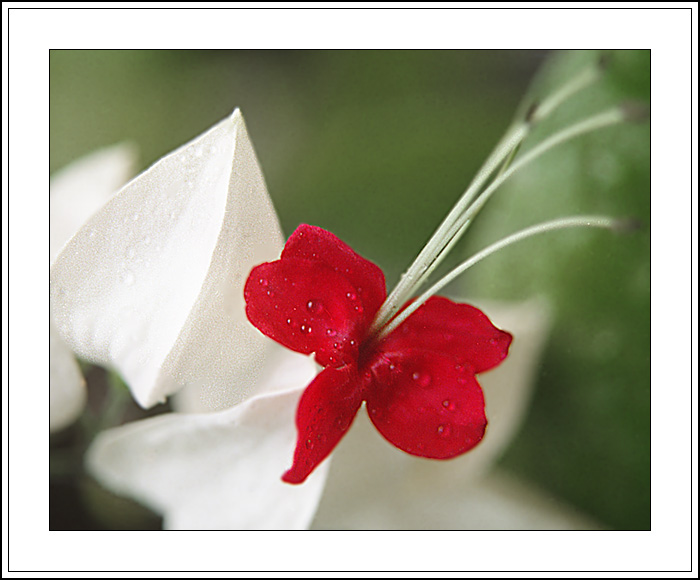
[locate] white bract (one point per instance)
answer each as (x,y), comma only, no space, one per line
(152,286)
(76,193)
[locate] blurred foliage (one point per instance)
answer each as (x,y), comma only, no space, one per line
(376,146)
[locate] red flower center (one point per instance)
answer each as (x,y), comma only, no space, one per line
(418,382)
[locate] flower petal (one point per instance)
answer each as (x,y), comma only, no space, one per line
(216,470)
(152,285)
(304,305)
(371,485)
(76,193)
(67,394)
(459,331)
(80,189)
(314,243)
(426,404)
(326,411)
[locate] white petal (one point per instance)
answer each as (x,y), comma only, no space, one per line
(366,466)
(78,190)
(67,393)
(76,193)
(153,284)
(216,470)
(497,501)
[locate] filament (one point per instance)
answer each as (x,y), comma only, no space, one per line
(558,224)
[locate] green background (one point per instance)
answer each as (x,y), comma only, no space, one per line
(376,146)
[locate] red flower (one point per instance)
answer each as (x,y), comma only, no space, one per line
(419,381)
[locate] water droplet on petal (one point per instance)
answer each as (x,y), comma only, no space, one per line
(331,332)
(449,405)
(263,282)
(289,320)
(443,430)
(351,295)
(416,376)
(309,444)
(314,306)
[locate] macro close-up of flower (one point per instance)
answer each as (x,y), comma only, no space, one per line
(273,327)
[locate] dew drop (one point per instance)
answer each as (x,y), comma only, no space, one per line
(449,405)
(392,367)
(493,341)
(443,430)
(314,306)
(352,343)
(351,295)
(416,376)
(336,345)
(309,444)
(263,282)
(289,320)
(331,332)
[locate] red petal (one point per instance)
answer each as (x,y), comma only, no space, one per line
(314,243)
(459,331)
(426,404)
(325,412)
(304,305)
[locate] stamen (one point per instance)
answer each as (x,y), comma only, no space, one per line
(459,218)
(587,77)
(599,121)
(439,248)
(558,224)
